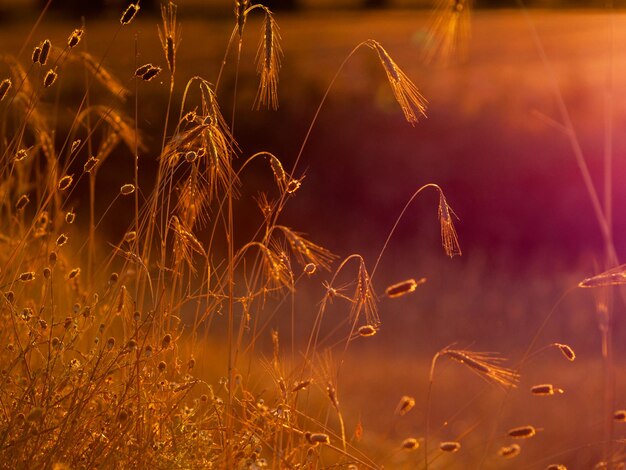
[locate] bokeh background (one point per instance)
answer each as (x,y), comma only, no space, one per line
(493,140)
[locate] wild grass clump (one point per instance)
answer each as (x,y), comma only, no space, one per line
(102,345)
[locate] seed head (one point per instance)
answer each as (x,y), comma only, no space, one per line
(484,364)
(412,103)
(240,14)
(509,452)
(65,182)
(449,238)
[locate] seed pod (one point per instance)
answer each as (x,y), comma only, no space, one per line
(566,350)
(127,189)
(367,330)
(22,202)
(450,446)
(151,73)
(401,288)
(129,13)
(52,258)
(75,145)
(405,405)
(21,155)
(522,432)
(74,38)
(36,54)
(61,240)
(544,390)
(50,78)
(130,236)
(293,186)
(310,269)
(410,444)
(162,366)
(90,164)
(5,86)
(165,342)
(45,51)
(26,277)
(509,452)
(69,217)
(73,273)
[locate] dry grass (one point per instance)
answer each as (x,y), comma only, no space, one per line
(180,345)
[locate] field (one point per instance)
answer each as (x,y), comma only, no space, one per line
(198,353)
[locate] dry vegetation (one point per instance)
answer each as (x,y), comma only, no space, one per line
(108,357)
